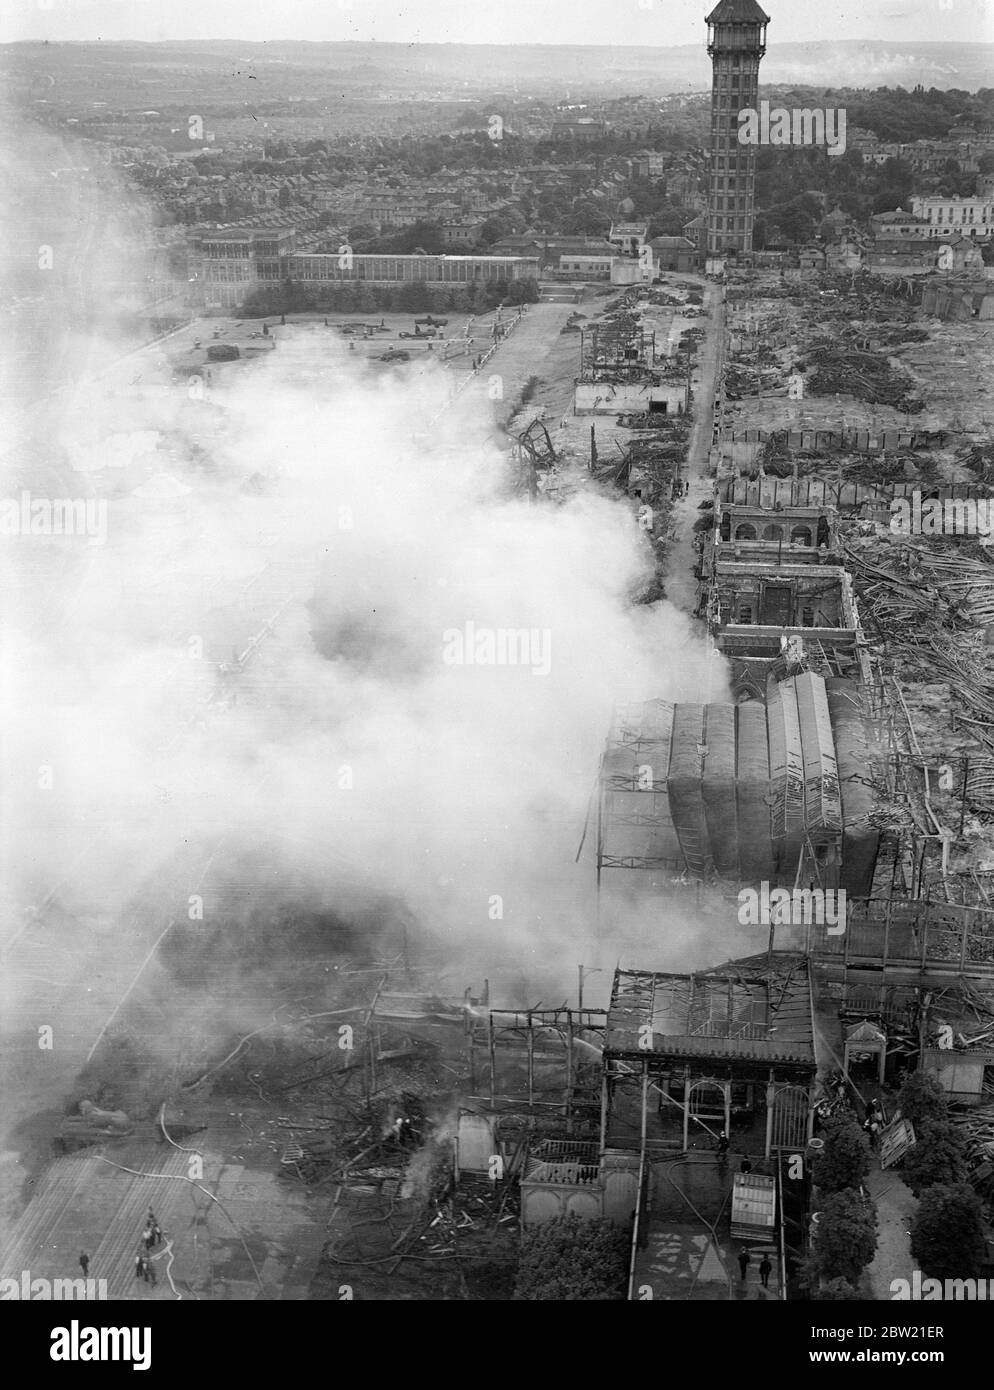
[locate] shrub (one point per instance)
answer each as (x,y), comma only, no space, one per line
(947,1235)
(837,1291)
(921,1098)
(570,1259)
(844,1161)
(938,1157)
(846,1238)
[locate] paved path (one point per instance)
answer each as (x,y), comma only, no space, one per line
(682,1263)
(681,586)
(895,1211)
(518,357)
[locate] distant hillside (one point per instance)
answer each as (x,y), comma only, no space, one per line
(135,75)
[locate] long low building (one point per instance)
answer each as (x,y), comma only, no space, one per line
(237,261)
(756,792)
(403,270)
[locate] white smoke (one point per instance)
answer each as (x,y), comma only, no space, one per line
(303,518)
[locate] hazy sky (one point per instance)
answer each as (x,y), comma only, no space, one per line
(661,22)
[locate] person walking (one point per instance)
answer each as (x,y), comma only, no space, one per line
(84,1263)
(745,1260)
(765,1270)
(139,1265)
(745,1166)
(722,1146)
(871,1129)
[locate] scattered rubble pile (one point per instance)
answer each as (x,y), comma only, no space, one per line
(753,381)
(868,376)
(650,461)
(780,461)
(919,578)
(891,337)
(931,608)
(979,459)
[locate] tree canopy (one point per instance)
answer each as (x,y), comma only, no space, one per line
(921,1098)
(569,1259)
(844,1162)
(938,1156)
(846,1239)
(947,1235)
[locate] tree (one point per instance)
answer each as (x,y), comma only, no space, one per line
(921,1098)
(414,298)
(420,236)
(569,1259)
(844,1161)
(496,227)
(366,301)
(669,222)
(523,291)
(947,1235)
(846,1239)
(586,219)
(937,1157)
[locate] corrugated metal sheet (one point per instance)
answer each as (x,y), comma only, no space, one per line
(636,821)
(744,1049)
(786,775)
(709,1015)
(860,840)
(718,788)
(822,798)
(685,784)
(752,792)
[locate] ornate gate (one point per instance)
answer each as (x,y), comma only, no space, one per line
(791,1106)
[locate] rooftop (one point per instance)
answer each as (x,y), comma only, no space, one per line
(734,1016)
(737,12)
(899,215)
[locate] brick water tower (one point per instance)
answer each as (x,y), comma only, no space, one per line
(736,43)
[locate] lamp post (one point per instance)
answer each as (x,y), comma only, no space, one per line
(580,971)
